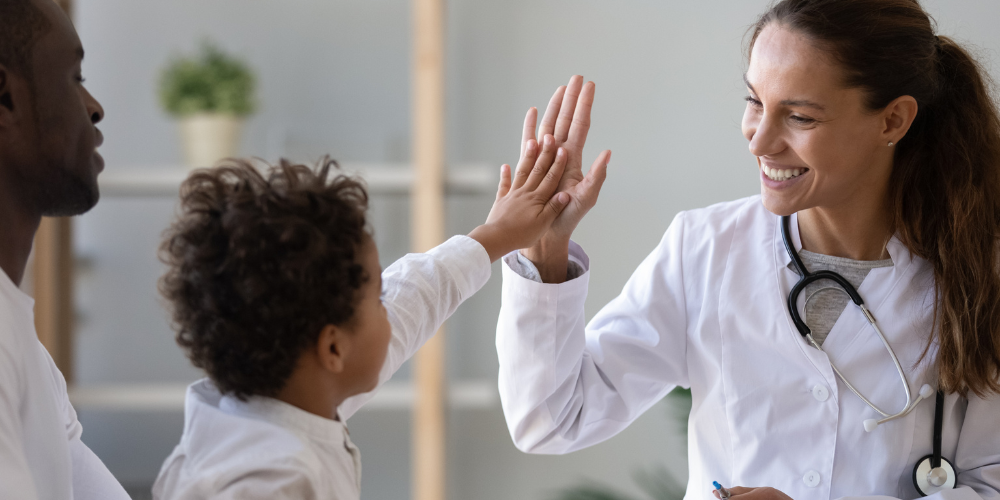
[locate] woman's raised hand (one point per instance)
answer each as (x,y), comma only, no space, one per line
(567,119)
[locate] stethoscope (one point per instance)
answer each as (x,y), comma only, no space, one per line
(932,473)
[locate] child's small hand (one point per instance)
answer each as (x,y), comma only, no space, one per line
(527,204)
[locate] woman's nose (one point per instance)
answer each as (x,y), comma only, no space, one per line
(765,138)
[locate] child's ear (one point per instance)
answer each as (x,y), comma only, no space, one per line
(332,348)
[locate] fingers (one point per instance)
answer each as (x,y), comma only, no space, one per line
(580,123)
(548,124)
(542,160)
(528,132)
(526,163)
(556,205)
(590,187)
(740,490)
(504,181)
(568,108)
(545,177)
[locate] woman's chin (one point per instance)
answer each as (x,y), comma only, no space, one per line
(777,205)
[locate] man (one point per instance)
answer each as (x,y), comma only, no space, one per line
(48,167)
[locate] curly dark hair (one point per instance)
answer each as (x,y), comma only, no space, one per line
(258,264)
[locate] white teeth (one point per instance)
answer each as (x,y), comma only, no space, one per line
(780,175)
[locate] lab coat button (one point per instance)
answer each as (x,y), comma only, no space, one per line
(811,479)
(821,393)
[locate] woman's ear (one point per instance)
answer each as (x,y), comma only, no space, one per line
(332,348)
(898,117)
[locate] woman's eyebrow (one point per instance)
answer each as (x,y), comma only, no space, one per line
(792,103)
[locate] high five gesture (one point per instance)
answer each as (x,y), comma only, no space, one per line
(567,121)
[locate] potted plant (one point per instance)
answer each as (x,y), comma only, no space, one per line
(656,482)
(210,94)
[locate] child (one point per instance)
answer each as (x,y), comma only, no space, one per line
(277,294)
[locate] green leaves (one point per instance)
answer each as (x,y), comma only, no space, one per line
(212,82)
(656,482)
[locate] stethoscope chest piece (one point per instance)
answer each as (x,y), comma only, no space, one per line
(929,480)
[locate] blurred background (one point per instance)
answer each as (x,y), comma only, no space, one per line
(334,77)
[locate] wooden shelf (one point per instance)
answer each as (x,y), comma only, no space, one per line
(464,395)
(382,178)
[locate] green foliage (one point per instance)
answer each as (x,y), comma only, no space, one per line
(680,407)
(657,483)
(211,82)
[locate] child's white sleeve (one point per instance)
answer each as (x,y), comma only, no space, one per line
(420,291)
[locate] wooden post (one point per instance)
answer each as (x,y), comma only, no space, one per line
(53,281)
(428,440)
(53,290)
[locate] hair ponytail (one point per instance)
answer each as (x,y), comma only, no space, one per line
(945,198)
(944,194)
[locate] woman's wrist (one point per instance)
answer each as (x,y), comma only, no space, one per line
(551,257)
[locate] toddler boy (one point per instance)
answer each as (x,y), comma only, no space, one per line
(277,293)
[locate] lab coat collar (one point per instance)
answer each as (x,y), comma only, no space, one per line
(898,252)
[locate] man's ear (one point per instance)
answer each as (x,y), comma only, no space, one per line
(899,116)
(6,101)
(332,348)
(6,98)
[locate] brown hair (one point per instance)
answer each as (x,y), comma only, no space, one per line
(944,194)
(257,265)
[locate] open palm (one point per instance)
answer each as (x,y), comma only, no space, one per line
(567,120)
(566,123)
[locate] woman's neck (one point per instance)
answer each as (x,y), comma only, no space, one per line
(855,232)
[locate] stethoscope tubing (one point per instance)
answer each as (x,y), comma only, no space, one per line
(805,278)
(938,474)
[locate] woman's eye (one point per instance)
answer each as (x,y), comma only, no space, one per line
(80,79)
(753,102)
(801,120)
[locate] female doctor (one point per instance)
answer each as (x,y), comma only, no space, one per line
(881,143)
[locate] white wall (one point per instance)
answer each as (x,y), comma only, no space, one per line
(334,78)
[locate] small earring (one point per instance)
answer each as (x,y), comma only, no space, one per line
(891,144)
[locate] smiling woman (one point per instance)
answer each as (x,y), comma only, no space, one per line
(878,146)
(904,139)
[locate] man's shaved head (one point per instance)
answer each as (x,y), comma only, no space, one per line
(21,24)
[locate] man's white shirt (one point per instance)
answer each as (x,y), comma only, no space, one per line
(41,455)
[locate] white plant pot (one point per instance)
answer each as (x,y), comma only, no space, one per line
(208,138)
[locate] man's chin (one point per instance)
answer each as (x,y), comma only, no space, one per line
(72,196)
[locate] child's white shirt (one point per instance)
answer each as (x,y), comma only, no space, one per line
(263,448)
(259,448)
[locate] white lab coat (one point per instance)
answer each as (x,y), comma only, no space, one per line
(706,310)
